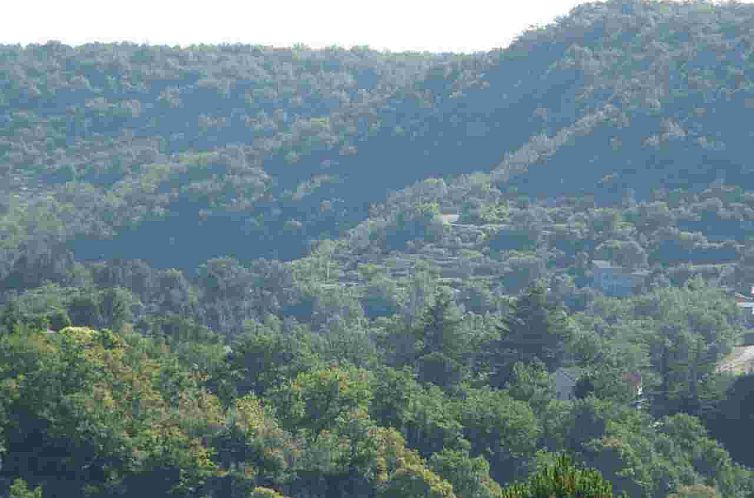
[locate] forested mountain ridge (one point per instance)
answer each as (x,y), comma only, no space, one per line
(624,95)
(156,125)
(663,84)
(338,273)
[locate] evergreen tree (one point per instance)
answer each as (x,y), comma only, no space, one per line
(441,342)
(562,479)
(535,330)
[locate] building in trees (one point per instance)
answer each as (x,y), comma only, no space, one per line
(614,280)
(565,383)
(744,302)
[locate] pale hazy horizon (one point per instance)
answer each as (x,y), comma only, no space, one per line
(392,25)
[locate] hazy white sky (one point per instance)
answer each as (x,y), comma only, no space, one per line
(434,25)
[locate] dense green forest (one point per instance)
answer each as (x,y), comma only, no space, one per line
(243,271)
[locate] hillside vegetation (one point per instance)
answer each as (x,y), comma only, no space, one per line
(239,271)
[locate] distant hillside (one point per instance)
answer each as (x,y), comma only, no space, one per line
(133,132)
(254,152)
(666,95)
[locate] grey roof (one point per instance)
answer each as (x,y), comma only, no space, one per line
(607,265)
(601,263)
(572,373)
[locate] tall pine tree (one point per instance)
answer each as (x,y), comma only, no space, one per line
(533,330)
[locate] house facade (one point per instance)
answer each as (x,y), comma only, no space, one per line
(614,280)
(565,383)
(745,302)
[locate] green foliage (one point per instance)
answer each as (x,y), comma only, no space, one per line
(19,489)
(113,402)
(681,332)
(252,446)
(469,476)
(266,355)
(442,342)
(531,383)
(415,483)
(414,355)
(440,327)
(534,331)
(362,430)
(265,493)
(320,399)
(425,414)
(502,429)
(562,479)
